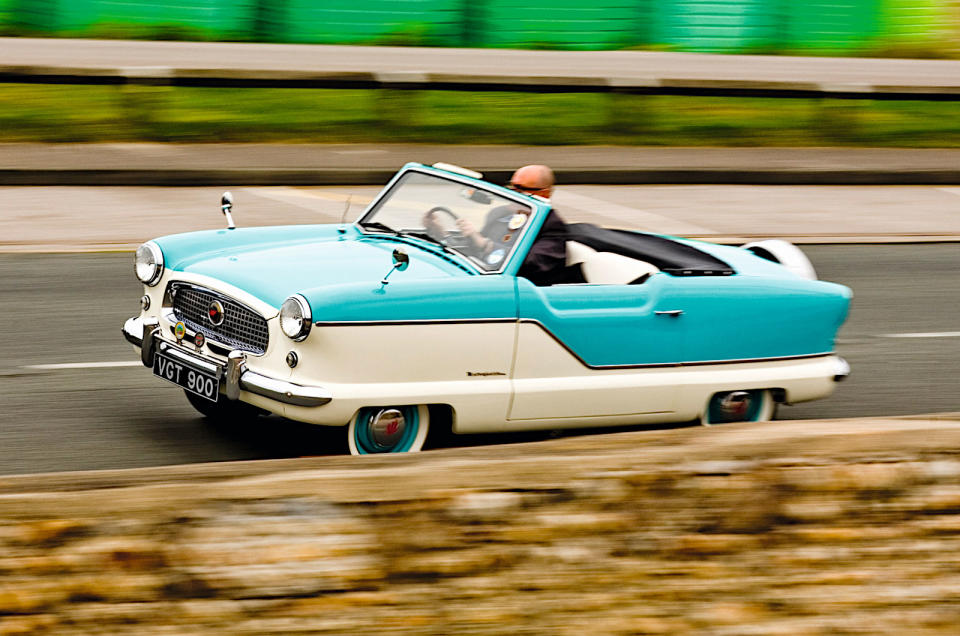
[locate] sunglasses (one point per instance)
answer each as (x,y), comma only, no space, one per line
(522,188)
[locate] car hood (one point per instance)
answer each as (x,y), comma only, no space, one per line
(285,263)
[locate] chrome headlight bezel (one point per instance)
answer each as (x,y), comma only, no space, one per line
(150,257)
(295,318)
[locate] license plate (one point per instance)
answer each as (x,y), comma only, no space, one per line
(206,385)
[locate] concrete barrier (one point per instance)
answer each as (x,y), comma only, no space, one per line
(788,527)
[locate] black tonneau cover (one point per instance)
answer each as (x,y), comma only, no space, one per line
(670,256)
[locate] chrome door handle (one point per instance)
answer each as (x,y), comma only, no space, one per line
(669,312)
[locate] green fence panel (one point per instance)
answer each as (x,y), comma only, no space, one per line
(721,25)
(434,22)
(215,18)
(749,26)
(566,24)
(40,16)
(6,14)
(831,25)
(917,22)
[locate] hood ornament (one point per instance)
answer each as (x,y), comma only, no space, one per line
(226,204)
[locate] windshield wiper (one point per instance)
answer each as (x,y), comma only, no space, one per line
(377,225)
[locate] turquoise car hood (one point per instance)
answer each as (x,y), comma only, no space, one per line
(281,263)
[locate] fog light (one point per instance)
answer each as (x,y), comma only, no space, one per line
(145,302)
(292,359)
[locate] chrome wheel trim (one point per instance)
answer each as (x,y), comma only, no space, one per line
(379,430)
(722,407)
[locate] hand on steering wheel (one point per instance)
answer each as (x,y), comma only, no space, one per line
(433,227)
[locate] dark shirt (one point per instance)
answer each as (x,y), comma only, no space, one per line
(546,262)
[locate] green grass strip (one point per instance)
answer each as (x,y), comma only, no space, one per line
(202,115)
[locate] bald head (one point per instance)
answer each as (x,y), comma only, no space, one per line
(534,179)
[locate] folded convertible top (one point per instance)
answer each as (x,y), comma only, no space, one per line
(670,256)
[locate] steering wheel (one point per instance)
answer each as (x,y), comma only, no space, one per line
(447,211)
(451,237)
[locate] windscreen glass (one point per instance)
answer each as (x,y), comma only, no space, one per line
(477,224)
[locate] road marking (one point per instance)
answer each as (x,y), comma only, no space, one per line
(931,334)
(85,365)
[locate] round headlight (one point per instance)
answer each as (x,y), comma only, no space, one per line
(149,263)
(295,317)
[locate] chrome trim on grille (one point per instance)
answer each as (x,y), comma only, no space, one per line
(242,328)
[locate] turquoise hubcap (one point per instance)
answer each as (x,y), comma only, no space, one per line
(386,430)
(735,406)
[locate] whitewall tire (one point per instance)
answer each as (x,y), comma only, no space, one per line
(388,429)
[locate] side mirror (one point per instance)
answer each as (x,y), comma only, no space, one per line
(401,261)
(226,205)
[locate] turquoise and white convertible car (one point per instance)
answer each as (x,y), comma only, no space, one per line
(395,325)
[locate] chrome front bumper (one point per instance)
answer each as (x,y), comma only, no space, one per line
(236,377)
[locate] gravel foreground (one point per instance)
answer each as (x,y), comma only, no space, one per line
(829,527)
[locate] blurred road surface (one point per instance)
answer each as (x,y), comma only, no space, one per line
(63,410)
(67,405)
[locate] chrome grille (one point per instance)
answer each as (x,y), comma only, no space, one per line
(242,327)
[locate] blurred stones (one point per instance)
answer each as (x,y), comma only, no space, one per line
(816,544)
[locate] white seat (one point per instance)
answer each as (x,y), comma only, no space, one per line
(578,252)
(607,268)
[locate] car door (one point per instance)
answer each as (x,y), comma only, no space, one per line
(596,350)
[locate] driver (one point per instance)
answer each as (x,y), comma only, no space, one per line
(545,263)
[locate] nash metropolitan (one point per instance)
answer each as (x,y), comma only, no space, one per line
(392,326)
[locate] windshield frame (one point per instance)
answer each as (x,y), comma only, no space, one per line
(536,208)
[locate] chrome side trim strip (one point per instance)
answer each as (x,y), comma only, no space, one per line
(436,321)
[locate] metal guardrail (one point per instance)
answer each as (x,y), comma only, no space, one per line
(416,81)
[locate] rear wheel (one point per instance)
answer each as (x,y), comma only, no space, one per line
(223,410)
(756,405)
(388,429)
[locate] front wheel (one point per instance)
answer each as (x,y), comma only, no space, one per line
(756,405)
(388,429)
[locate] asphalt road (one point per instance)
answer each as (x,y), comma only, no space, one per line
(67,308)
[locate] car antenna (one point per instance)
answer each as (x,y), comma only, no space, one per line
(343,218)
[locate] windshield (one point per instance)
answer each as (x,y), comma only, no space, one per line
(478,224)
